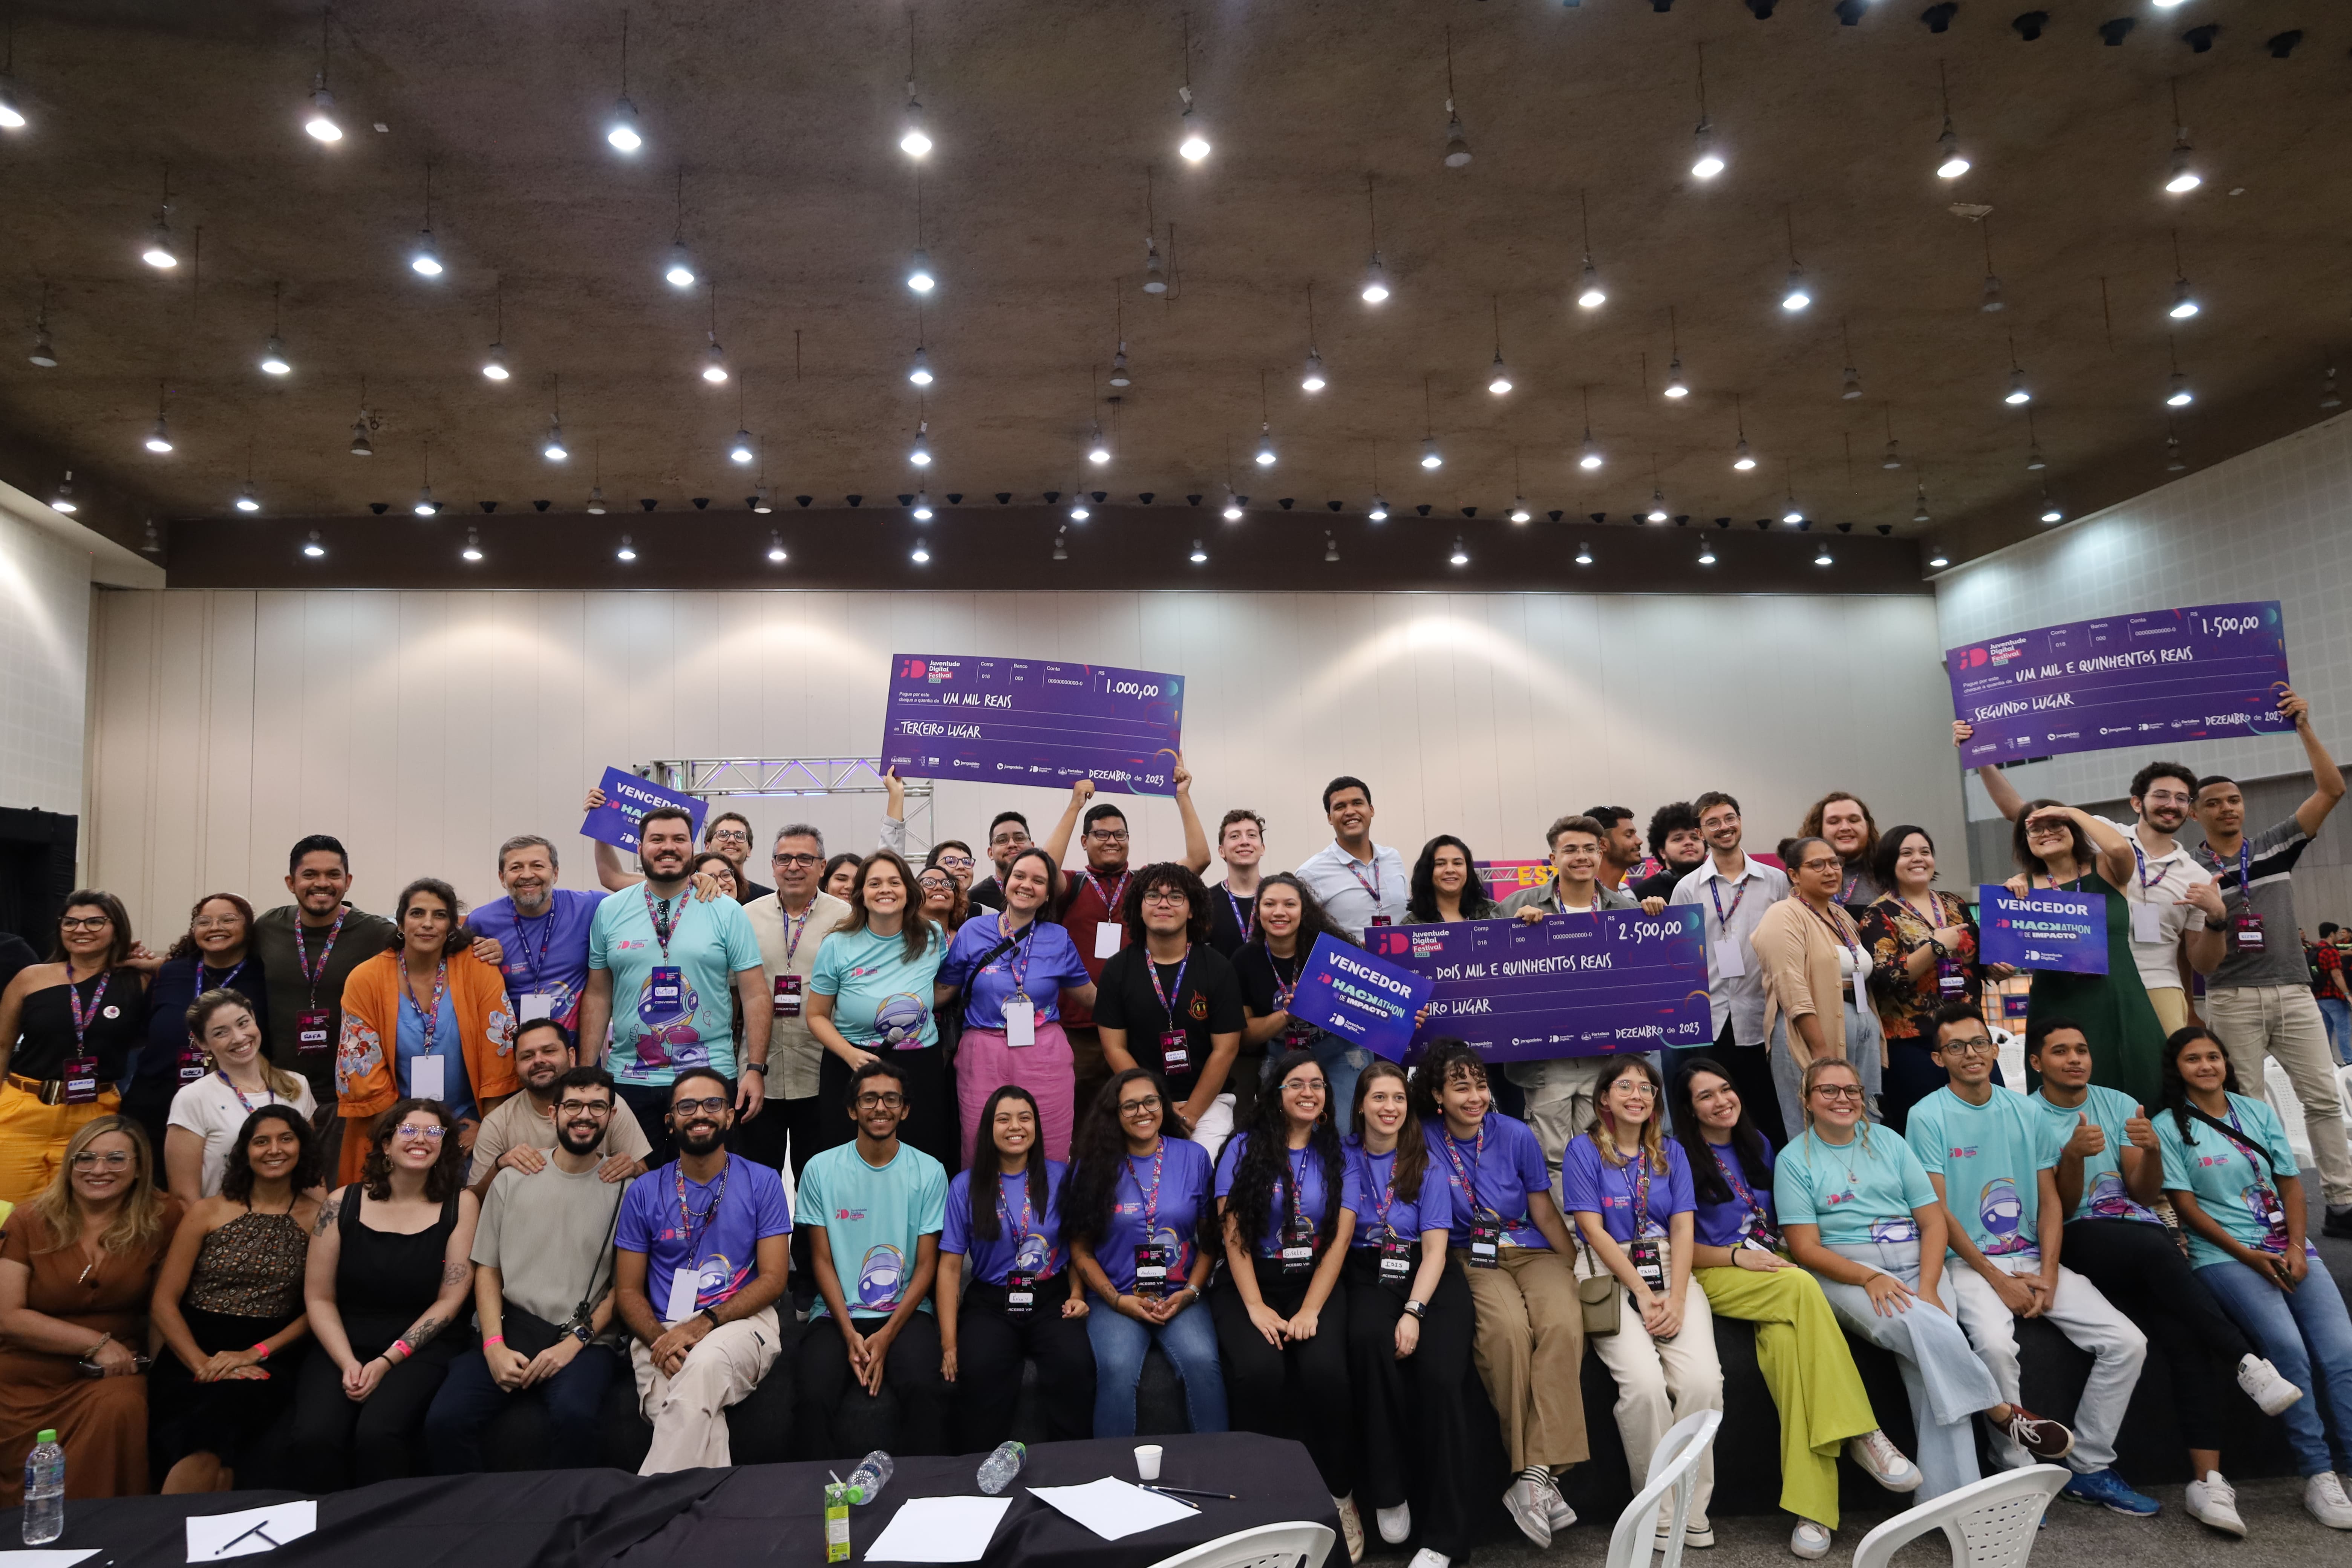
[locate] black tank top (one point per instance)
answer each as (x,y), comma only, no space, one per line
(46,1032)
(384,1281)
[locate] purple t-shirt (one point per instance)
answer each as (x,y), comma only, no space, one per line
(1491,1174)
(1025,1238)
(547,955)
(1408,1214)
(724,1250)
(1167,1210)
(1725,1224)
(1306,1170)
(1041,962)
(1590,1184)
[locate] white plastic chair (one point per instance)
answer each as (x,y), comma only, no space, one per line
(1673,1467)
(1990,1523)
(1298,1545)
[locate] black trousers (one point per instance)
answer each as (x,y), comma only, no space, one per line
(930,1123)
(788,1130)
(1412,1429)
(989,1348)
(1299,1390)
(910,1370)
(338,1443)
(1751,1068)
(2135,1266)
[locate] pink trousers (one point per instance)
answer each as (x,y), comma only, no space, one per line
(984,1063)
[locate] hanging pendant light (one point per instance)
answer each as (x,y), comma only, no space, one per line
(919,455)
(248,499)
(63,499)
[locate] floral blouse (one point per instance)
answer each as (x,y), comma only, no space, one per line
(1894,930)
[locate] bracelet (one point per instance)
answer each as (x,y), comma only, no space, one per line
(403,1347)
(261,1350)
(103,1341)
(489,1339)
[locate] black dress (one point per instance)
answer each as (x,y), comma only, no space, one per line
(246,1286)
(115,1025)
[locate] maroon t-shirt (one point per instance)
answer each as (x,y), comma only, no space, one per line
(1090,900)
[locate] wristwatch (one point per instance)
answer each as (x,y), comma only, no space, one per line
(759,1068)
(1415,1307)
(582,1332)
(712,1316)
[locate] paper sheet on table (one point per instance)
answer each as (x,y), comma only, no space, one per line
(938,1530)
(1113,1508)
(216,1536)
(45,1556)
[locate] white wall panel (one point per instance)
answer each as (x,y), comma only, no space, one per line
(422,727)
(44,668)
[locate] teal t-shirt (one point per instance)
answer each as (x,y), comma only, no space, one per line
(1854,1192)
(2105,1196)
(2229,1183)
(1992,1157)
(655,1032)
(872,1219)
(881,1000)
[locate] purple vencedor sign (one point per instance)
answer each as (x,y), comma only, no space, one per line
(1574,986)
(2208,672)
(1025,721)
(628,797)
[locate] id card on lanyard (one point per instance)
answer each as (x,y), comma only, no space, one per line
(1646,1252)
(1155,1260)
(1110,932)
(1020,1284)
(1730,963)
(536,1001)
(426,1079)
(2146,916)
(684,1282)
(81,1069)
(2246,927)
(665,987)
(1396,1251)
(1372,887)
(1486,1224)
(1175,1044)
(313,1026)
(1020,1008)
(1299,1237)
(1758,1232)
(787,987)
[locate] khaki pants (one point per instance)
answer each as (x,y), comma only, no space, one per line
(2171,1005)
(1659,1382)
(1559,1104)
(1529,1349)
(2283,1021)
(687,1410)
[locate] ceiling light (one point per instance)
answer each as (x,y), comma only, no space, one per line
(2184,304)
(321,123)
(1330,547)
(1991,300)
(44,352)
(1675,385)
(1851,386)
(494,364)
(1919,514)
(621,130)
(2177,395)
(1590,457)
(1264,457)
(1200,554)
(919,372)
(2034,461)
(1079,511)
(2017,397)
(595,501)
(714,368)
(2327,395)
(1155,273)
(1952,166)
(425,259)
(1894,458)
(1795,514)
(425,506)
(740,449)
(921,554)
(311,547)
(11,117)
(920,453)
(1657,513)
(1194,137)
(1743,457)
(2182,178)
(918,273)
(1098,450)
(1312,380)
(273,357)
(1519,512)
(680,270)
(776,548)
(1705,162)
(360,446)
(1589,293)
(1380,512)
(1823,558)
(1461,556)
(1376,281)
(913,140)
(1118,376)
(764,501)
(1706,553)
(1457,146)
(473,551)
(247,501)
(922,508)
(1795,297)
(159,439)
(2052,512)
(160,252)
(1498,380)
(1938,558)
(1061,544)
(554,451)
(1233,505)
(1430,457)
(63,500)
(627,552)
(1584,556)
(2174,462)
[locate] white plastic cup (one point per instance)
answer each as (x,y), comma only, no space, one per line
(1147,1461)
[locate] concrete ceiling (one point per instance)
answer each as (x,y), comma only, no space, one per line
(1047,115)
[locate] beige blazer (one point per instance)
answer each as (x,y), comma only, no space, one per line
(1799,961)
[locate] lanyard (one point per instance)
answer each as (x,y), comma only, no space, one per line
(1385,1199)
(2245,870)
(228,982)
(546,936)
(1731,1170)
(1372,886)
(1714,896)
(1112,899)
(1837,929)
(1298,1181)
(1282,992)
(695,1225)
(1023,949)
(271,1094)
(1638,1185)
(432,1016)
(664,927)
(1469,1178)
(83,1015)
(795,929)
(2146,882)
(1027,1219)
(303,957)
(1168,998)
(1245,914)
(1846,892)
(1151,1198)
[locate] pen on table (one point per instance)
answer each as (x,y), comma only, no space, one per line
(1187,1491)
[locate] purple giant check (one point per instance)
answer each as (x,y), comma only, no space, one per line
(1574,986)
(2208,672)
(1025,721)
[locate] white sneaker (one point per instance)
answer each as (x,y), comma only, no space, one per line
(2264,1387)
(1425,1558)
(2323,1499)
(1557,1512)
(2215,1502)
(1395,1523)
(1351,1525)
(1526,1501)
(1809,1540)
(1884,1462)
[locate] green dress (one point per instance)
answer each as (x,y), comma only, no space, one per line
(2115,1016)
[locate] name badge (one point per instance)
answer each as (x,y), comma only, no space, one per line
(1649,1261)
(1175,1052)
(536,1005)
(1020,1293)
(312,1034)
(1380,921)
(81,1080)
(1730,963)
(669,984)
(192,1066)
(425,1078)
(2148,923)
(1020,1022)
(1297,1245)
(1396,1261)
(1152,1261)
(1951,980)
(681,1305)
(1107,938)
(2248,930)
(788,996)
(1485,1243)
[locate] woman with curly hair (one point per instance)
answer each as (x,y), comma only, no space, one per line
(215,953)
(389,1276)
(1289,922)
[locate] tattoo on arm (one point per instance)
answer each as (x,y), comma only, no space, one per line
(327,1213)
(424,1329)
(457,1271)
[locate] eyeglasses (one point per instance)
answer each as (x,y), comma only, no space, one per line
(85,922)
(1638,1091)
(880,1101)
(1131,1106)
(1166,896)
(714,1106)
(782,860)
(213,922)
(112,1160)
(1974,1046)
(1009,841)
(729,835)
(1838,1090)
(937,884)
(1302,1086)
(1101,838)
(585,1107)
(954,862)
(410,1129)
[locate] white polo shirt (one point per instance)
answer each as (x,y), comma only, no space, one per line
(1353,892)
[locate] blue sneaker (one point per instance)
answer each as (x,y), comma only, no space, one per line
(2108,1489)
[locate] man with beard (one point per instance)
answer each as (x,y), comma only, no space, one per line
(543,930)
(1008,835)
(307,949)
(543,1288)
(517,1134)
(702,1249)
(666,973)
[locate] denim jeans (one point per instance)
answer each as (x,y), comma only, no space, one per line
(2337,1012)
(2304,1333)
(1342,1064)
(468,1402)
(1189,1340)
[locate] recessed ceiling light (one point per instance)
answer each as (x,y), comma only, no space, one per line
(247,500)
(311,547)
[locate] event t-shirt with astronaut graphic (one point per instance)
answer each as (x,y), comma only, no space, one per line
(2235,1187)
(2105,1196)
(1028,1236)
(882,999)
(1992,1157)
(1859,1191)
(872,1218)
(715,1229)
(672,1007)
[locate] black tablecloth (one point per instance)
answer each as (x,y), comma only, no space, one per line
(750,1514)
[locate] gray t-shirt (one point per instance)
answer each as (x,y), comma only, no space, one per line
(549,1237)
(2271,855)
(518,1122)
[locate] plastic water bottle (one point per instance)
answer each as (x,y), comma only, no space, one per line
(997,1470)
(872,1474)
(44,1491)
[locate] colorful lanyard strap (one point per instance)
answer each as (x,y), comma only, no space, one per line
(270,1094)
(1372,886)
(1638,1184)
(1837,929)
(1111,898)
(1245,914)
(1385,1199)
(1169,996)
(1151,1198)
(693,1223)
(1469,1177)
(432,1015)
(664,926)
(311,976)
(84,1017)
(1715,897)
(796,929)
(546,938)
(1024,1222)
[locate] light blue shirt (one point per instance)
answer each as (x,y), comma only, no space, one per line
(456,1093)
(2228,1183)
(1992,1157)
(2104,1195)
(881,999)
(1358,893)
(709,943)
(1855,1192)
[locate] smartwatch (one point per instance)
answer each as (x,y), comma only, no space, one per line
(582,1332)
(712,1316)
(759,1068)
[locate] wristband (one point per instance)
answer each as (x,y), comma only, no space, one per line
(403,1346)
(707,1312)
(489,1339)
(261,1352)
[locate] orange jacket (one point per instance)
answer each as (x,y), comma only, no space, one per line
(365,1085)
